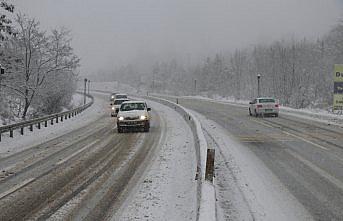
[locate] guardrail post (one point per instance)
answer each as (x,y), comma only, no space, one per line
(22,130)
(210,165)
(11,133)
(38,125)
(61,118)
(52,121)
(0,137)
(69,115)
(57,120)
(31,127)
(46,123)
(65,116)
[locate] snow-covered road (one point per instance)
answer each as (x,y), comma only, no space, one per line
(245,188)
(167,191)
(83,169)
(273,168)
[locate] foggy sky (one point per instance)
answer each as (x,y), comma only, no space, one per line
(108,33)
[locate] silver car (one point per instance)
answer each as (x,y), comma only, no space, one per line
(264,106)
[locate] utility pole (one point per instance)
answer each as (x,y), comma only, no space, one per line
(89,83)
(258,85)
(84,92)
(153,82)
(195,86)
(2,72)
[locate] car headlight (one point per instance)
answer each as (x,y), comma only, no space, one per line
(113,108)
(120,118)
(143,117)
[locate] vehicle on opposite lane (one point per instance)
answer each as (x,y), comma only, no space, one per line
(132,115)
(264,106)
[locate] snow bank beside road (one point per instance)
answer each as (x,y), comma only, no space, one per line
(19,143)
(206,200)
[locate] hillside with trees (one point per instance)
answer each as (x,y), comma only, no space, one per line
(297,72)
(40,67)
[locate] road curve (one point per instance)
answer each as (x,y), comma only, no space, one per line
(78,176)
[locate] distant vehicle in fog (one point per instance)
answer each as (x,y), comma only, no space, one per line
(113,96)
(264,106)
(120,96)
(116,105)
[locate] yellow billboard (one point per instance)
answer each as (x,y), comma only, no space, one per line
(338,101)
(338,75)
(338,87)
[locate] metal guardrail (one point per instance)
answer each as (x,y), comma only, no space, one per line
(53,118)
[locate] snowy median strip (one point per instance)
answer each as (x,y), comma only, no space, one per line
(206,192)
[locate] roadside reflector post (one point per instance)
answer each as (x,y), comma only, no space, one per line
(22,131)
(210,165)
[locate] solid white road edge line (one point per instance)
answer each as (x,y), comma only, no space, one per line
(77,152)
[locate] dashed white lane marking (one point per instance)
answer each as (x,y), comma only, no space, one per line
(16,187)
(320,171)
(77,152)
(293,135)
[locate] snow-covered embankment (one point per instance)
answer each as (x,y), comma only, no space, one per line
(206,192)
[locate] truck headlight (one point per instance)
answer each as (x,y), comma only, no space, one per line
(143,117)
(113,108)
(120,118)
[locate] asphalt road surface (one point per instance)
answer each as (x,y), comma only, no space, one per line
(78,176)
(306,156)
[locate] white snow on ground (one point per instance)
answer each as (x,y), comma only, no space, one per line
(264,196)
(168,189)
(77,100)
(19,143)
